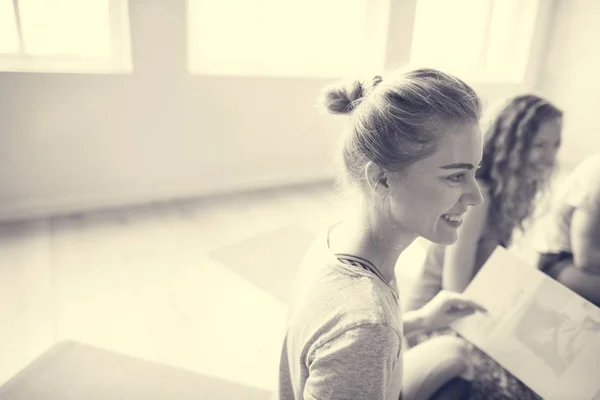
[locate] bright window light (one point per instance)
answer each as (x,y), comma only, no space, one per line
(64,36)
(281,37)
(73,27)
(481,39)
(9,39)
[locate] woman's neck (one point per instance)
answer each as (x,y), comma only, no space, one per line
(381,244)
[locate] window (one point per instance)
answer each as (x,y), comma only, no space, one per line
(305,38)
(76,36)
(485,39)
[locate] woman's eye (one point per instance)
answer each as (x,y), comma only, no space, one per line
(457,178)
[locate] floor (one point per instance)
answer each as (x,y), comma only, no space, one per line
(181,283)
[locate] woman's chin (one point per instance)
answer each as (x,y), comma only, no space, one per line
(444,238)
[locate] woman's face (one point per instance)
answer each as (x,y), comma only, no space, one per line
(544,147)
(430,199)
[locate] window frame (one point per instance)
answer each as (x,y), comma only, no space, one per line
(120,61)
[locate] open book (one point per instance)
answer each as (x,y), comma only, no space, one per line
(540,331)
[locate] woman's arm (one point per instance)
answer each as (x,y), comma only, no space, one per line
(459,260)
(413,322)
(585,221)
(585,239)
(439,312)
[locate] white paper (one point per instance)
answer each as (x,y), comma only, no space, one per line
(540,331)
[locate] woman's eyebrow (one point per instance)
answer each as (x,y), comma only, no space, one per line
(458,166)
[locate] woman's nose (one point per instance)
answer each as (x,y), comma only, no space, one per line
(472,195)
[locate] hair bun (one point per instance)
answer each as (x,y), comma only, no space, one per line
(343,98)
(377,79)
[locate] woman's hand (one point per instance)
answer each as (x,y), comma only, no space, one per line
(445,308)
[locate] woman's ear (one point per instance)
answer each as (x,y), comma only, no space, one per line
(376,176)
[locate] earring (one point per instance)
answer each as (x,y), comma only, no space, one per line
(383,181)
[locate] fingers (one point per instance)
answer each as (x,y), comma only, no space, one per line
(459,301)
(475,306)
(459,313)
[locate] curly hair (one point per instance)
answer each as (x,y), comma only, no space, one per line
(506,151)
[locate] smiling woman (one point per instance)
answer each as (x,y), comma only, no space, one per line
(409,154)
(519,154)
(434,211)
(518,159)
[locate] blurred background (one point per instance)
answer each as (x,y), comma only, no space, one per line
(163,164)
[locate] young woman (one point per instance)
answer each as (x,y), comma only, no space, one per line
(409,155)
(518,158)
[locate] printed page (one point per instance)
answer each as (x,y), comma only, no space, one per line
(543,333)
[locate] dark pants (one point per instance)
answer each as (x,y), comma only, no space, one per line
(560,267)
(455,389)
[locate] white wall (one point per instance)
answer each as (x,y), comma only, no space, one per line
(571,76)
(77,142)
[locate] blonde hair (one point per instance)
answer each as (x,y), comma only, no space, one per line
(395,122)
